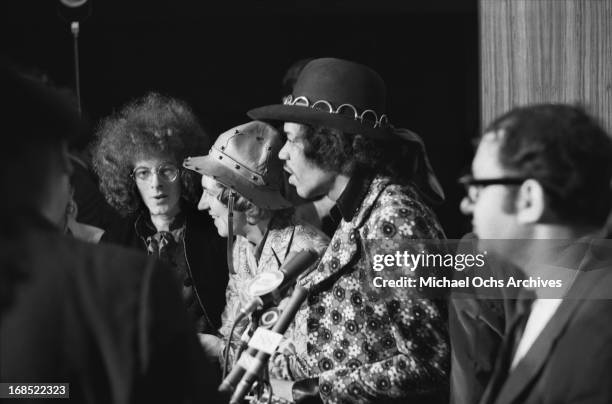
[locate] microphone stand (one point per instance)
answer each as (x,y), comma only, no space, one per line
(248,376)
(74,28)
(75,12)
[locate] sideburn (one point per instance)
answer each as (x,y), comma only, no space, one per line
(509,203)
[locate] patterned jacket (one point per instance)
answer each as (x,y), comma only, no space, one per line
(279,244)
(369,344)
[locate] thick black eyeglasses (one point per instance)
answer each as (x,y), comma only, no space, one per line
(473,186)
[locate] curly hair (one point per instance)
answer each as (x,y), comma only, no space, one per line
(153,126)
(337,151)
(564,149)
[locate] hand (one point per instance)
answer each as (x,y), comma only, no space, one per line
(212,345)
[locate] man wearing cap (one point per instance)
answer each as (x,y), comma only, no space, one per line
(366,343)
(241,180)
(99,318)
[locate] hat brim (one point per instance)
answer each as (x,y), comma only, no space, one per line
(317,117)
(264,198)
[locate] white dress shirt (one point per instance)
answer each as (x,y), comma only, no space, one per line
(541,312)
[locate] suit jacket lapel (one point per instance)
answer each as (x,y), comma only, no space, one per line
(531,364)
(502,364)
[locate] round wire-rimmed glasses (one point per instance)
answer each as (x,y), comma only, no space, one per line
(167,172)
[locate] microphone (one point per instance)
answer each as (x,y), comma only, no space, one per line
(269,287)
(74,10)
(73,3)
(248,372)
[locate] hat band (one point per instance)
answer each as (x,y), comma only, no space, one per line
(368,116)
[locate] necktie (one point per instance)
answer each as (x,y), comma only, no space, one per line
(509,346)
(520,321)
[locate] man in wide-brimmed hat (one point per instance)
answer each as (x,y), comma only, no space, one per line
(366,343)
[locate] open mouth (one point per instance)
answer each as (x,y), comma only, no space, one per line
(287,170)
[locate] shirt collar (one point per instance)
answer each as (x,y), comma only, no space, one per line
(145,228)
(350,200)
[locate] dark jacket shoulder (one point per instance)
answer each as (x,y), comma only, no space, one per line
(205,253)
(102,318)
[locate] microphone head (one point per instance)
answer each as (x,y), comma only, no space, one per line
(270,286)
(264,283)
(269,318)
(73,3)
(74,10)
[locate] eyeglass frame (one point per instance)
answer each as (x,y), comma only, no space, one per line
(469,182)
(156,171)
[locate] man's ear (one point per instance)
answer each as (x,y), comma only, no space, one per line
(254,214)
(65,159)
(530,202)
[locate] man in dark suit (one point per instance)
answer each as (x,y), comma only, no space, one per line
(478,319)
(101,318)
(540,187)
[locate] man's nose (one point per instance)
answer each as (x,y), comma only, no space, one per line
(282,153)
(155,180)
(466,206)
(203,204)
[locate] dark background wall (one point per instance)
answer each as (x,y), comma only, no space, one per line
(226,58)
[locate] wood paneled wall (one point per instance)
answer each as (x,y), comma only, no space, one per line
(535,51)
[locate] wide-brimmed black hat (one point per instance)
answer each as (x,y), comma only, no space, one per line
(336,93)
(350,97)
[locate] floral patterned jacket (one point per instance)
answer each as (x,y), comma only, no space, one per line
(365,343)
